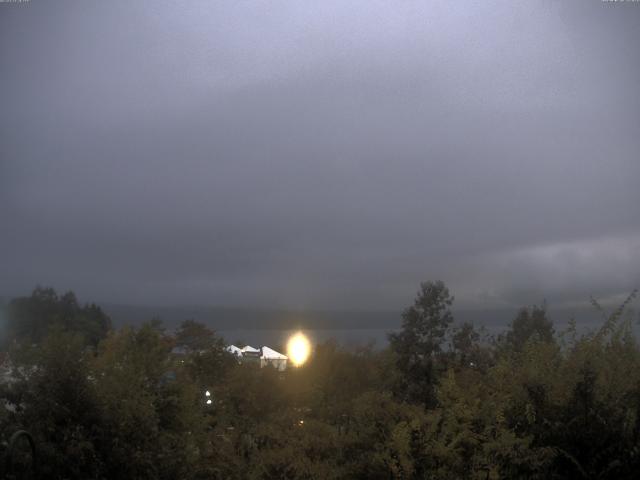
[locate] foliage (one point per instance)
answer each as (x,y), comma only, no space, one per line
(195,336)
(532,405)
(29,319)
(206,359)
(530,324)
(55,400)
(420,342)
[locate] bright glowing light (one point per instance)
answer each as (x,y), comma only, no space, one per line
(207,393)
(209,402)
(298,349)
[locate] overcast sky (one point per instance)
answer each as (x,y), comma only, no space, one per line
(320,154)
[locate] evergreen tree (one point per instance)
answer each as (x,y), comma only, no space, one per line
(419,344)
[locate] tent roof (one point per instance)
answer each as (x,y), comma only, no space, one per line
(269,353)
(249,348)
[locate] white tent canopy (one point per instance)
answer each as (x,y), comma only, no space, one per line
(269,353)
(275,359)
(268,356)
(234,350)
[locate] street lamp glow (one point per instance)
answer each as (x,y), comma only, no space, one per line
(298,349)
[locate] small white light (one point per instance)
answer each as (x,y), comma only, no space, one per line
(207,393)
(209,402)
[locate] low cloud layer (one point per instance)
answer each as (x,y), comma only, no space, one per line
(320,154)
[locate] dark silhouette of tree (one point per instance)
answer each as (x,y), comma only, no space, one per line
(420,341)
(29,319)
(531,323)
(195,336)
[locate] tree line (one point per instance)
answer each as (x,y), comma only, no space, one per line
(441,401)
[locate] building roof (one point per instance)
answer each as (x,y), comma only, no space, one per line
(249,348)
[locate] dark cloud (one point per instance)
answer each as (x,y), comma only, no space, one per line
(327,154)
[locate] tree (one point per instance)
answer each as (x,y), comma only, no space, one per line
(419,343)
(208,360)
(151,423)
(195,336)
(29,319)
(55,400)
(467,350)
(530,323)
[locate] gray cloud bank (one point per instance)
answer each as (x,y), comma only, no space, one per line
(320,154)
